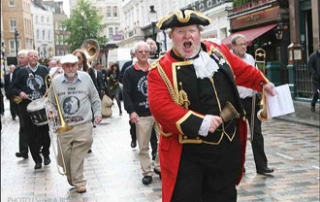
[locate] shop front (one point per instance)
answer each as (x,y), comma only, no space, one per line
(266,26)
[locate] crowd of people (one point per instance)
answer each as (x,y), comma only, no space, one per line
(175,105)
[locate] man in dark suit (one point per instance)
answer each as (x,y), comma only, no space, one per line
(125,66)
(7,89)
(101,86)
(23,139)
(29,84)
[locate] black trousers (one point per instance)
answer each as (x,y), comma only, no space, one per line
(23,138)
(13,109)
(38,136)
(208,173)
(133,131)
(259,154)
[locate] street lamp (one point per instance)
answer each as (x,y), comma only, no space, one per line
(16,34)
(153,19)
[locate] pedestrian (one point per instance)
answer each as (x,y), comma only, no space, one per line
(52,63)
(136,104)
(29,85)
(314,69)
(125,66)
(153,49)
(201,156)
(83,65)
(7,88)
(113,88)
(23,138)
(239,48)
(77,96)
(1,94)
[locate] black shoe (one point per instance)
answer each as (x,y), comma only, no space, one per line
(146,180)
(90,151)
(46,160)
(133,143)
(22,155)
(313,108)
(37,166)
(154,155)
(265,170)
(157,172)
(244,170)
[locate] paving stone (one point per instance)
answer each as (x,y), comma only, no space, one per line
(113,170)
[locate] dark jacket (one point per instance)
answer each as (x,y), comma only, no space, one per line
(125,66)
(314,69)
(7,86)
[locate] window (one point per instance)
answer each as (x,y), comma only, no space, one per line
(38,34)
(49,35)
(11,3)
(110,30)
(48,19)
(36,19)
(42,18)
(108,11)
(43,34)
(57,26)
(13,25)
(115,11)
(12,47)
(116,30)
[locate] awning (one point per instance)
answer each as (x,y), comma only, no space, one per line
(250,34)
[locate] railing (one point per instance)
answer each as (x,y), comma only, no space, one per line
(302,79)
(242,5)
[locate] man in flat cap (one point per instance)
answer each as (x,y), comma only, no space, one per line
(201,150)
(77,96)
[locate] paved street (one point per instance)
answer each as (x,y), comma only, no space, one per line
(114,175)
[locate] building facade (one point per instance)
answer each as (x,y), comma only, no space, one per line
(43,30)
(60,47)
(17,27)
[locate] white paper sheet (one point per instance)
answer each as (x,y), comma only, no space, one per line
(281,103)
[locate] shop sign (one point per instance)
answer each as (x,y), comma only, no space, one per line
(256,18)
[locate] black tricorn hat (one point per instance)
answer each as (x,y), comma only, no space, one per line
(182,18)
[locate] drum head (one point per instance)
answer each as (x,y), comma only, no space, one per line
(37,112)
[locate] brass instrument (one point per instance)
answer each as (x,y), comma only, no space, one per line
(260,57)
(263,113)
(17,99)
(91,49)
(57,125)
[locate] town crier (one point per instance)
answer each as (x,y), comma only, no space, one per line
(193,97)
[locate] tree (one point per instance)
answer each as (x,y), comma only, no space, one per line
(83,24)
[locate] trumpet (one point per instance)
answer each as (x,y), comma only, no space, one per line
(57,124)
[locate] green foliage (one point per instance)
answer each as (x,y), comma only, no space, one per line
(83,24)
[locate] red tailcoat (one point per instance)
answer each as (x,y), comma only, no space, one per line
(165,106)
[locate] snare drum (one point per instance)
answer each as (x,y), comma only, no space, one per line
(37,111)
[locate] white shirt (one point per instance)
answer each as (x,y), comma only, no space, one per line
(243,91)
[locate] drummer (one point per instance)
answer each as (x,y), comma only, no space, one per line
(29,85)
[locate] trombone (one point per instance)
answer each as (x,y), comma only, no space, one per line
(260,60)
(57,124)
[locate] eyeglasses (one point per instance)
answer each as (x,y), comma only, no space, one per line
(143,51)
